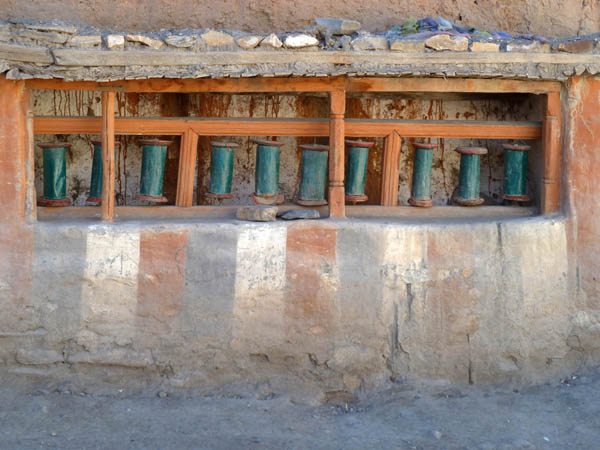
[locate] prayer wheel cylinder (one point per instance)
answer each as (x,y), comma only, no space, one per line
(55,174)
(267,172)
(313,175)
(421,179)
(356,170)
(221,169)
(97,171)
(515,172)
(154,158)
(469,176)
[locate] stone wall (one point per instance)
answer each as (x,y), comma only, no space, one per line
(550,17)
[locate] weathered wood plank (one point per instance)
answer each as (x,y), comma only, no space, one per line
(318,84)
(292,127)
(187,169)
(13,52)
(337,109)
(551,151)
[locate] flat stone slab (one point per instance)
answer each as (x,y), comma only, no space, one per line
(295,214)
(257,213)
(337,26)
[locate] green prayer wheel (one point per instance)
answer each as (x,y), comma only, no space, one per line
(154,158)
(97,170)
(515,172)
(313,176)
(356,170)
(55,174)
(267,173)
(221,169)
(420,194)
(469,176)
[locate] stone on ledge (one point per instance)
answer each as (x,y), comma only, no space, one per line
(257,213)
(581,46)
(485,47)
(115,41)
(442,42)
(180,41)
(214,38)
(528,47)
(407,45)
(294,214)
(369,42)
(146,40)
(52,26)
(55,38)
(84,41)
(337,26)
(271,41)
(249,42)
(301,41)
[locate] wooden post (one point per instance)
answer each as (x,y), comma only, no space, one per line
(187,169)
(108,156)
(337,206)
(551,151)
(30,194)
(391,169)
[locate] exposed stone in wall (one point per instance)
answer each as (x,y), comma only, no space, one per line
(80,52)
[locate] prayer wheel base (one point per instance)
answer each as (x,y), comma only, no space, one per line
(517,198)
(211,195)
(311,202)
(420,202)
(151,198)
(270,200)
(468,201)
(53,202)
(356,198)
(94,200)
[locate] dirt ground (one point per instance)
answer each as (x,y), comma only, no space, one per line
(560,415)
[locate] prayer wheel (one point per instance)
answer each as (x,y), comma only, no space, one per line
(420,194)
(515,172)
(469,176)
(97,170)
(221,169)
(356,170)
(55,174)
(267,173)
(154,158)
(313,175)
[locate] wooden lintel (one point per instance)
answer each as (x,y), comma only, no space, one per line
(292,127)
(108,156)
(313,84)
(187,169)
(391,170)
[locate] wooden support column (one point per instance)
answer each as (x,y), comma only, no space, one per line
(187,169)
(551,151)
(337,205)
(108,156)
(391,169)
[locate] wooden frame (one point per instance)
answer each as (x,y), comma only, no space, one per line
(337,127)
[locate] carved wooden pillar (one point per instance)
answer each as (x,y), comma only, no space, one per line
(187,169)
(337,207)
(391,169)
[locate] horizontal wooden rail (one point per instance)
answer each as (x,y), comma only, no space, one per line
(292,127)
(317,84)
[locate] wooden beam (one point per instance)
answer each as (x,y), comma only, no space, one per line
(292,127)
(337,198)
(313,84)
(108,156)
(187,169)
(391,170)
(551,150)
